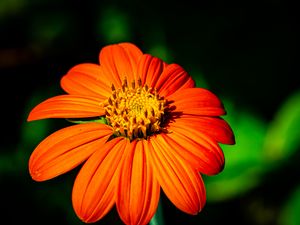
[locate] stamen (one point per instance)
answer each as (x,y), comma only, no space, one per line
(113,87)
(140,82)
(125,82)
(134,112)
(152,112)
(107,113)
(110,101)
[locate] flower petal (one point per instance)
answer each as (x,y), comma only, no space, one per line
(201,154)
(94,188)
(87,79)
(89,69)
(215,127)
(67,106)
(149,69)
(138,191)
(197,101)
(173,78)
(65,149)
(200,144)
(181,183)
(120,61)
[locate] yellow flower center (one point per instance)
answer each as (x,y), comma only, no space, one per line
(134,112)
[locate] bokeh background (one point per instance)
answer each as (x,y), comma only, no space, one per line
(245,55)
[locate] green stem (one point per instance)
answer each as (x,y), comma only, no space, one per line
(158,218)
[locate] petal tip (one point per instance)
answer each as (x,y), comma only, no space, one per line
(36,175)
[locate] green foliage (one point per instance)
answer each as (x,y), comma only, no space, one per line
(283,136)
(113,25)
(161,52)
(49,27)
(244,162)
(290,212)
(9,7)
(8,164)
(259,148)
(31,133)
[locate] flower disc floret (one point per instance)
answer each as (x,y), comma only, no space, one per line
(134,111)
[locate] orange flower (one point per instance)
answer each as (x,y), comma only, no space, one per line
(157,130)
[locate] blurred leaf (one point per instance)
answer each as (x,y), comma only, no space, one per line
(47,27)
(8,7)
(198,78)
(290,212)
(55,195)
(161,51)
(244,162)
(34,131)
(155,37)
(113,26)
(283,136)
(8,164)
(31,134)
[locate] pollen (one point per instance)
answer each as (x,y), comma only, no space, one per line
(134,111)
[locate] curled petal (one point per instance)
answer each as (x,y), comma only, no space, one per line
(197,101)
(67,106)
(94,188)
(87,79)
(181,183)
(173,78)
(65,149)
(138,191)
(120,61)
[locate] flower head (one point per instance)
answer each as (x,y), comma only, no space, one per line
(148,128)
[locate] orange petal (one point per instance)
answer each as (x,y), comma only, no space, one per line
(203,155)
(87,79)
(197,101)
(181,183)
(67,106)
(149,69)
(173,78)
(65,149)
(209,150)
(138,191)
(215,127)
(89,69)
(133,52)
(95,185)
(120,61)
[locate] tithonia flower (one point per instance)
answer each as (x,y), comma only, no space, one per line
(146,128)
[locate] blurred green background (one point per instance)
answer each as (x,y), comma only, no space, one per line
(245,55)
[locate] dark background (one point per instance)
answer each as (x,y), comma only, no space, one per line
(244,54)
